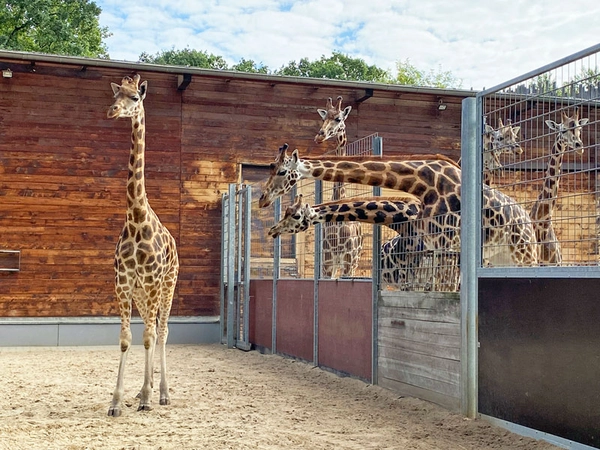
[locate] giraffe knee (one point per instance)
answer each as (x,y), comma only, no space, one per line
(149,338)
(125,339)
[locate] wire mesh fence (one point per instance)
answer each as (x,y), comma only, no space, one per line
(343,250)
(540,147)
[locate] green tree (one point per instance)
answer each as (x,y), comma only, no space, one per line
(336,67)
(248,65)
(408,74)
(63,27)
(185,57)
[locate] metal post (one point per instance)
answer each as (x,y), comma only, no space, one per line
(223,278)
(377,151)
(243,342)
(276,266)
(470,244)
(317,274)
(230,268)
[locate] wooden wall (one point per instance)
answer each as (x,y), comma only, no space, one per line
(419,345)
(63,168)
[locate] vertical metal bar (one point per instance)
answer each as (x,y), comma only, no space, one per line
(276,266)
(224,240)
(317,274)
(238,294)
(470,236)
(377,151)
(231,268)
(247,259)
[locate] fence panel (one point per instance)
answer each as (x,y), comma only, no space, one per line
(538,146)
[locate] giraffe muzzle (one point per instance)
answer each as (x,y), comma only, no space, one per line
(113,111)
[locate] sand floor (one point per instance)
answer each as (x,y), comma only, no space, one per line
(58,398)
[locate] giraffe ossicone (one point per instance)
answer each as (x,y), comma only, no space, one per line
(146,262)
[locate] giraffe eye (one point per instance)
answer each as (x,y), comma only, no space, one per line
(135,98)
(337,119)
(281,173)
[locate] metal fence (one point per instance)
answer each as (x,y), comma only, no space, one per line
(540,139)
(334,250)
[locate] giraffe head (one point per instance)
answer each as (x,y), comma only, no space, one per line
(283,176)
(297,218)
(129,97)
(506,138)
(569,131)
(334,118)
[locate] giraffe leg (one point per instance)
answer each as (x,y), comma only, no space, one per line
(115,407)
(163,332)
(149,345)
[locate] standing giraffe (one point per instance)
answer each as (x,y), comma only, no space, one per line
(568,137)
(146,263)
(342,242)
(435,180)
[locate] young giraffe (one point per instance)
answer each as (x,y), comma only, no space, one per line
(568,137)
(375,210)
(391,211)
(508,233)
(342,243)
(146,263)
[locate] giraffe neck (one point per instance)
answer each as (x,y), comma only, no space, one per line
(552,178)
(339,191)
(342,140)
(549,191)
(422,178)
(137,202)
(377,211)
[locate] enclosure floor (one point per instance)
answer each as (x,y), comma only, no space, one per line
(220,399)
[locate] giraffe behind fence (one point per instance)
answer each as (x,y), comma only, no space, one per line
(342,243)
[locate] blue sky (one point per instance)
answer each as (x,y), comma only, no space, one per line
(481,42)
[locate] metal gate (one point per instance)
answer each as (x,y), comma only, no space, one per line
(530,334)
(235,267)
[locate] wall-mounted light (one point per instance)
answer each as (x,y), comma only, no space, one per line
(441,105)
(6,73)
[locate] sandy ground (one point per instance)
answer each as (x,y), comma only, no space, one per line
(58,398)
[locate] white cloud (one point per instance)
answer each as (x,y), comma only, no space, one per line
(483,43)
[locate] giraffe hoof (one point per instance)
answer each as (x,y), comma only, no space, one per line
(144,408)
(114,411)
(165,401)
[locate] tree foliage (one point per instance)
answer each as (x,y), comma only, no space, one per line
(408,74)
(336,67)
(63,27)
(186,57)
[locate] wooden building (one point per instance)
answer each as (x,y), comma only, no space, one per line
(63,166)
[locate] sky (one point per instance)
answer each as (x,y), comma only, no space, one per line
(481,42)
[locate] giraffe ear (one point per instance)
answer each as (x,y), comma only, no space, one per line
(347,110)
(295,156)
(516,129)
(552,125)
(115,87)
(488,128)
(583,121)
(142,89)
(322,113)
